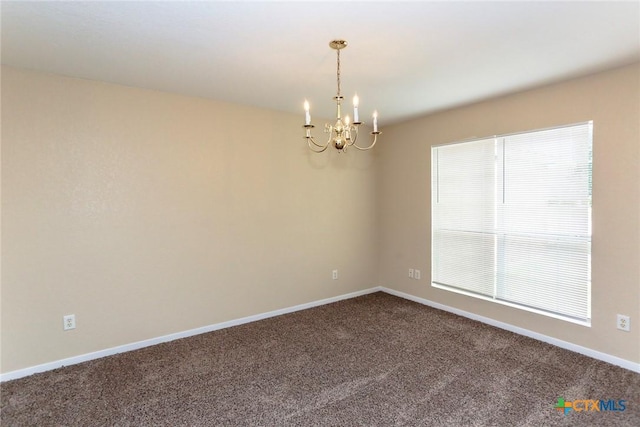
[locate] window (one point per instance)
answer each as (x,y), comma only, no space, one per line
(511,220)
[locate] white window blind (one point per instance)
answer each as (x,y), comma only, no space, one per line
(511,219)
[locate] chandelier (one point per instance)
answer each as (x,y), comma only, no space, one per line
(343,133)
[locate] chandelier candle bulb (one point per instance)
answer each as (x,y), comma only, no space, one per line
(375,121)
(356,101)
(307,114)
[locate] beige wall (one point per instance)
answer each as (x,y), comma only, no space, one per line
(146,213)
(612,100)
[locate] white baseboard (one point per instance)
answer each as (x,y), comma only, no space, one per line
(171,337)
(623,363)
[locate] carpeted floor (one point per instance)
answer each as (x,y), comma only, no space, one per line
(376,360)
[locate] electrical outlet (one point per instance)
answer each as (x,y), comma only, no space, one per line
(335,274)
(623,322)
(411,273)
(69,322)
(416,274)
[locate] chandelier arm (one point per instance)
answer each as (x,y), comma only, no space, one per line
(354,135)
(310,139)
(375,138)
(329,130)
(315,150)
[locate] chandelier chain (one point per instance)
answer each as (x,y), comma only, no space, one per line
(338,72)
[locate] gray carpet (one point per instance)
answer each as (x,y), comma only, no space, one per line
(376,360)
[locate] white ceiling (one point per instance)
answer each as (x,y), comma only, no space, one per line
(404,58)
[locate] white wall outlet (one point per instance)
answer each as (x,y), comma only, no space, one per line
(334,274)
(411,273)
(69,322)
(416,274)
(623,322)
